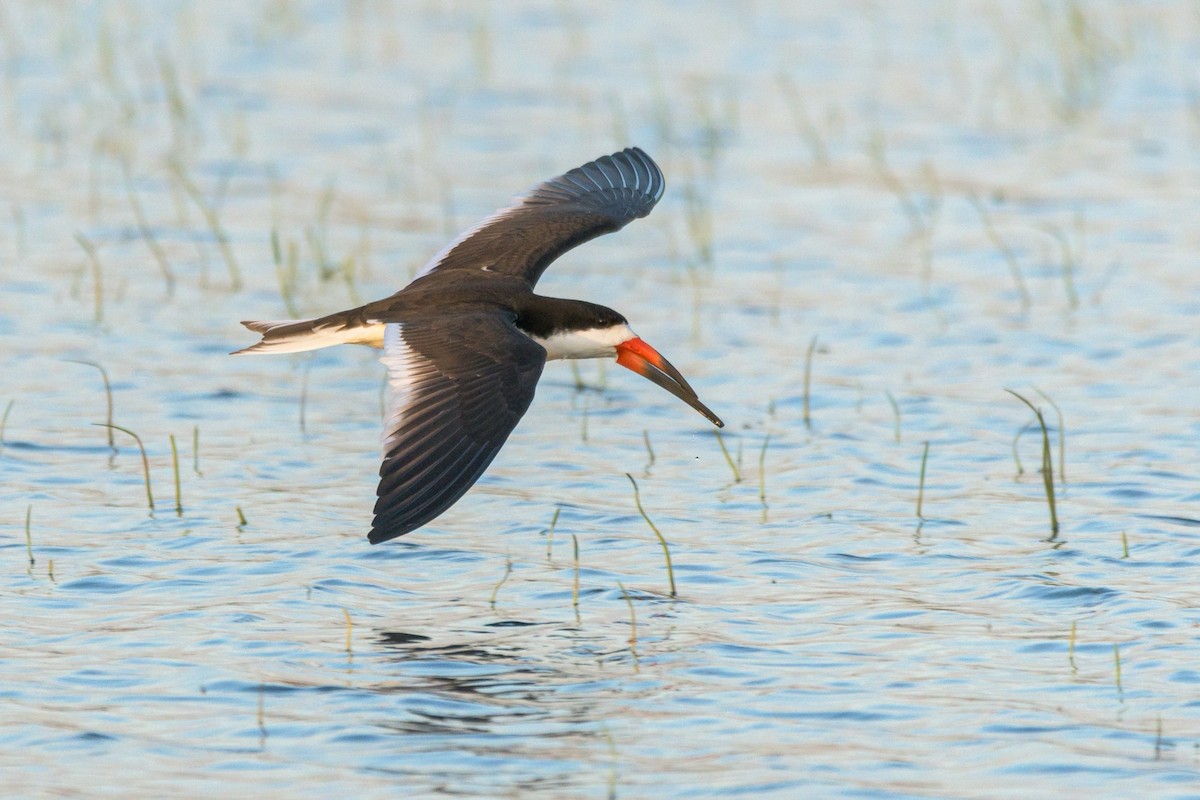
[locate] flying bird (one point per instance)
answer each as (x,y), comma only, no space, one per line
(465,342)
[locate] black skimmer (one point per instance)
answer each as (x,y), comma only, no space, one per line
(466,340)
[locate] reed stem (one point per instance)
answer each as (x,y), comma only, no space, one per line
(28,534)
(1047,463)
(895,414)
(808,359)
(97,277)
(175,467)
(108,419)
(637,498)
(737,474)
(921,485)
(575,584)
(550,531)
(503,578)
(4,422)
(145,461)
(762,472)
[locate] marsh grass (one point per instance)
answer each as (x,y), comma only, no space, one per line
(145,461)
(921,485)
(1015,452)
(632,616)
(550,532)
(29,534)
(108,417)
(508,568)
(286,272)
(895,415)
(611,788)
(97,277)
(196,450)
(1047,464)
(808,360)
(632,626)
(733,467)
(316,244)
(637,499)
(803,120)
(349,631)
(147,234)
(575,581)
(1062,436)
(877,150)
(931,212)
(348,269)
(177,109)
(1085,54)
(174,464)
(260,716)
(1068,262)
(183,217)
(762,475)
(107,51)
(645,440)
(318,234)
(212,218)
(1071,649)
(698,214)
(1000,244)
(241,518)
(4,422)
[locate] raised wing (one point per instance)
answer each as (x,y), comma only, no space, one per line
(459,387)
(551,218)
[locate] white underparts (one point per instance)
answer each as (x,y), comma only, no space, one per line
(591,343)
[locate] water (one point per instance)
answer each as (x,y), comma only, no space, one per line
(826,174)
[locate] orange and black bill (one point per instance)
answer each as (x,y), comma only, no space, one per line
(649,363)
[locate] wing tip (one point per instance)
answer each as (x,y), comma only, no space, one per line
(382,531)
(376,536)
(656,183)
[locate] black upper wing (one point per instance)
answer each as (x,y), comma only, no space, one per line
(597,198)
(459,386)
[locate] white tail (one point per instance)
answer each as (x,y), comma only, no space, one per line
(299,335)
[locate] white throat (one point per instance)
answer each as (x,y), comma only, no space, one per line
(591,343)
